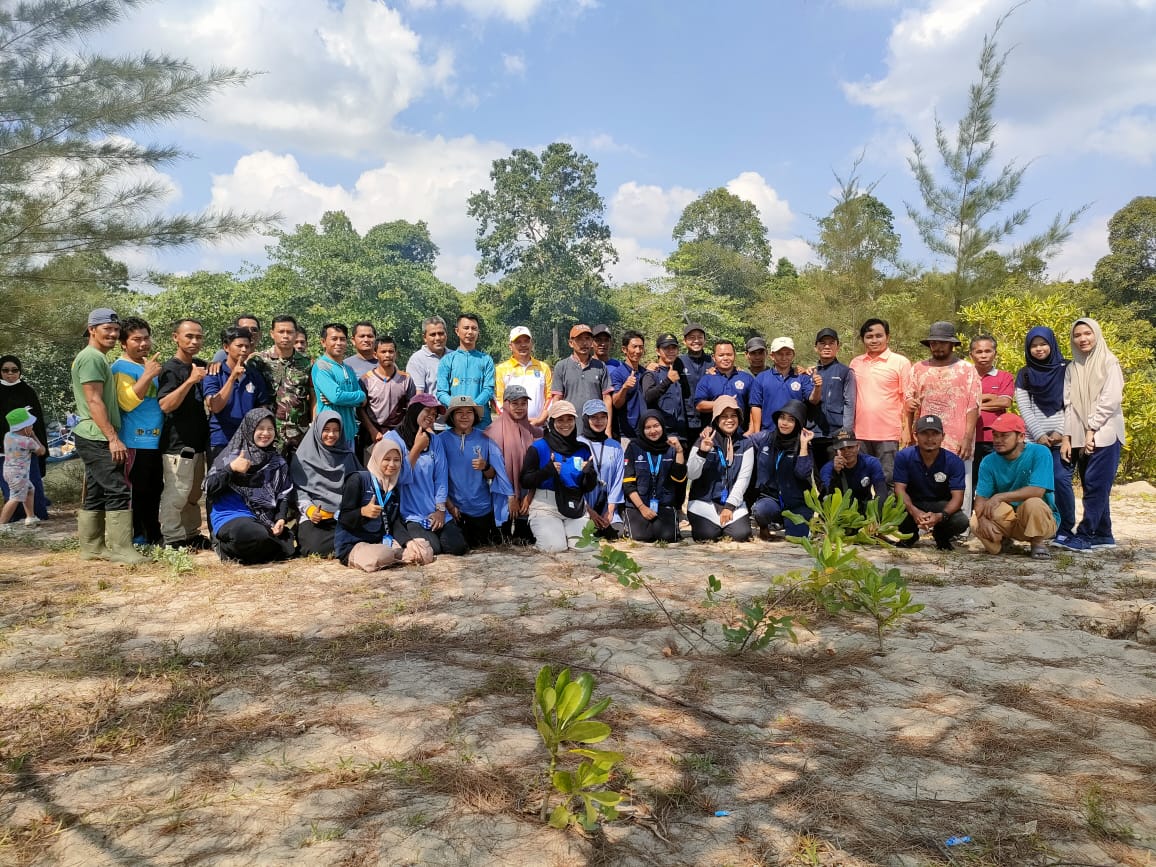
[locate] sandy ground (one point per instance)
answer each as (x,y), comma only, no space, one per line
(304,713)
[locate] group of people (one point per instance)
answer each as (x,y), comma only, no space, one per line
(350,456)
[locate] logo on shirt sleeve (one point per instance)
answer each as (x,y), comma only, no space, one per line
(940,477)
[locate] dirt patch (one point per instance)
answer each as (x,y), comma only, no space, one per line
(192,713)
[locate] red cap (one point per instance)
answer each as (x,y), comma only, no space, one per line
(1009,423)
(580,328)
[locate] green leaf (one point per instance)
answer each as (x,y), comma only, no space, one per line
(560,818)
(547,733)
(564,782)
(570,702)
(586,732)
(594,709)
(600,758)
(548,699)
(606,799)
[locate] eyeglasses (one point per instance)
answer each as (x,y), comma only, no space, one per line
(9,369)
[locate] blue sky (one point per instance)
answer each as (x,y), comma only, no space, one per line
(396,110)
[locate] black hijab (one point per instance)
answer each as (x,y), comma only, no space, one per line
(654,447)
(561,445)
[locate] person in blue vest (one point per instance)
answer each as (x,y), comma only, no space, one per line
(654,484)
(233,391)
(666,388)
(559,469)
(604,503)
(479,489)
(783,465)
(626,382)
(371,534)
(719,468)
(835,383)
(695,362)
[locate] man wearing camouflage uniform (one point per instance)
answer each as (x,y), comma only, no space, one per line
(287,377)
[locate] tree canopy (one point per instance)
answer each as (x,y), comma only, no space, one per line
(1127,275)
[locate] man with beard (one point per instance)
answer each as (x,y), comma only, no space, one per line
(929,481)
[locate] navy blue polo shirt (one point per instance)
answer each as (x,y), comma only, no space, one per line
(738,385)
(771,392)
(926,484)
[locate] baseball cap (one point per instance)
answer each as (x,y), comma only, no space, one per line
(103,316)
(693,326)
(425,399)
(593,407)
(827,332)
(782,343)
(20,418)
(601,329)
(1009,422)
(666,339)
(929,422)
(562,407)
(843,439)
(516,392)
(520,331)
(756,343)
(580,328)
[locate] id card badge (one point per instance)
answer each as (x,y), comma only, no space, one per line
(387,540)
(654,504)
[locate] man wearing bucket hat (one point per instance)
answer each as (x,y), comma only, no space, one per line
(104,522)
(1015,494)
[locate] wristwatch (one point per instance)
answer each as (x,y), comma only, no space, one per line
(440,507)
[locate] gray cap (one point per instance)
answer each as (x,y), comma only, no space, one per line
(693,326)
(929,422)
(464,401)
(103,316)
(516,392)
(756,343)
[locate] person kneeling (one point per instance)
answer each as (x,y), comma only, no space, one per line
(719,469)
(783,466)
(1015,494)
(371,534)
(655,481)
(249,494)
(930,482)
(479,490)
(603,503)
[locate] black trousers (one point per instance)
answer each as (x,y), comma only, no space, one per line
(315,538)
(516,531)
(248,541)
(479,531)
(105,484)
(705,530)
(942,533)
(447,540)
(664,528)
(147,479)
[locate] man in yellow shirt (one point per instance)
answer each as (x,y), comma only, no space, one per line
(524,370)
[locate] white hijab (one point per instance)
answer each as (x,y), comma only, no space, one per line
(1088,372)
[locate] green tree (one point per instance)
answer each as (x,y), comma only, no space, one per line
(964,215)
(722,243)
(70,174)
(1127,275)
(541,227)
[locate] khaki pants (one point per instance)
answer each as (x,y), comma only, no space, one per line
(181,497)
(1032,520)
(370,557)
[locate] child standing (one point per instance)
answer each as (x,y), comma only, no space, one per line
(20,444)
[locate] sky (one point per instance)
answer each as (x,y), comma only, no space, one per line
(396,110)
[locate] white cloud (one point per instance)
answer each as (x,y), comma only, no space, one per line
(647,211)
(1077,258)
(636,262)
(514,64)
(334,76)
(422,179)
(1077,72)
(753,187)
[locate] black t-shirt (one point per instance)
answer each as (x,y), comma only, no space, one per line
(188,425)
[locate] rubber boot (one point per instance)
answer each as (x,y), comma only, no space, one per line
(118,537)
(90,534)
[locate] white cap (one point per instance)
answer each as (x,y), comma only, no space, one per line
(520,331)
(782,343)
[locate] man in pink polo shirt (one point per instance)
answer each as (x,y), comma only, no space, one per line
(881,381)
(999,387)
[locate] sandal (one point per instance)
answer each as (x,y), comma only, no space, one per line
(1041,552)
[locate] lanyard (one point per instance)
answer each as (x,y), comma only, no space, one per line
(722,462)
(377,490)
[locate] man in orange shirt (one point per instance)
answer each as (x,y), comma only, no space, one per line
(881,382)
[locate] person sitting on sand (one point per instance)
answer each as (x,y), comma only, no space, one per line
(655,481)
(1015,496)
(719,468)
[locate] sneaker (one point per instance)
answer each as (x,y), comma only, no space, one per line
(1101,542)
(1070,543)
(32,522)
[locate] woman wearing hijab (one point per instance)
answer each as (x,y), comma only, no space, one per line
(513,434)
(425,478)
(1040,398)
(1094,426)
(783,465)
(479,492)
(318,470)
(15,393)
(249,494)
(719,468)
(371,533)
(605,501)
(559,470)
(654,482)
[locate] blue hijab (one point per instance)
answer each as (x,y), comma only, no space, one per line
(1043,380)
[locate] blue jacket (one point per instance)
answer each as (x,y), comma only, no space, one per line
(836,409)
(468,488)
(337,389)
(784,476)
(654,476)
(470,373)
